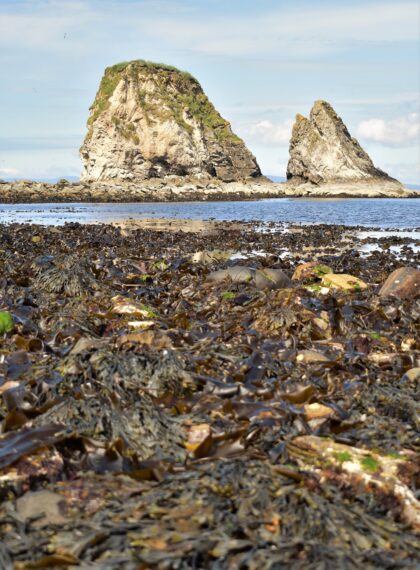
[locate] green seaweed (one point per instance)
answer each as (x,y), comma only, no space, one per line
(370,464)
(228,295)
(342,456)
(6,322)
(321,270)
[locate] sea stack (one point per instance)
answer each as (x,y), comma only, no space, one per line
(326,159)
(151,120)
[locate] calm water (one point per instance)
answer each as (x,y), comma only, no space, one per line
(383,213)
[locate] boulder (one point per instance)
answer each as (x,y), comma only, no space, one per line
(343,281)
(260,278)
(403,282)
(310,269)
(151,120)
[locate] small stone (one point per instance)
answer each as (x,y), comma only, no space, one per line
(211,256)
(403,282)
(315,411)
(200,439)
(412,375)
(408,344)
(44,506)
(311,357)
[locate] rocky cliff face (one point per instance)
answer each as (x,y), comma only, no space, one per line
(323,151)
(152,120)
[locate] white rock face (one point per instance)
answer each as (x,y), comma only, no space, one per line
(322,151)
(151,121)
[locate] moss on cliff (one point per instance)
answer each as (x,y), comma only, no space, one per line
(118,67)
(179,96)
(106,88)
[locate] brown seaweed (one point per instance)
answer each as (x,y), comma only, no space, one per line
(172,421)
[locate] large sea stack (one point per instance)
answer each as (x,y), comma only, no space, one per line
(325,158)
(151,120)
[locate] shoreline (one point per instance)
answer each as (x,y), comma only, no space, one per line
(188,190)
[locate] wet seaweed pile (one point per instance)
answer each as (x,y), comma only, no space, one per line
(161,408)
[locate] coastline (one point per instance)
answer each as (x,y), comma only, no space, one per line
(185,190)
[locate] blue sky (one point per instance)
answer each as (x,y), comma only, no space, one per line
(259,62)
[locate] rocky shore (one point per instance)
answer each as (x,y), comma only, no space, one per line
(239,397)
(185,190)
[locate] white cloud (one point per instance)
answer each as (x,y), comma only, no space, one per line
(395,132)
(40,163)
(309,31)
(406,172)
(268,133)
(8,172)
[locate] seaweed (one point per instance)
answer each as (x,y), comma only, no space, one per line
(154,416)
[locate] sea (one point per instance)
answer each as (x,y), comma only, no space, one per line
(383,213)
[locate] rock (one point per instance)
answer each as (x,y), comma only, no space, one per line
(315,411)
(124,306)
(408,344)
(211,256)
(260,278)
(343,281)
(157,340)
(376,472)
(44,506)
(383,359)
(322,150)
(310,269)
(403,282)
(151,120)
(322,153)
(200,439)
(412,375)
(311,357)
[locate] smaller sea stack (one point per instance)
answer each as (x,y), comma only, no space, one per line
(322,152)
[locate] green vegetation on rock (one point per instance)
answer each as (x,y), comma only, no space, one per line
(118,67)
(228,295)
(370,464)
(106,88)
(342,456)
(179,96)
(321,269)
(6,322)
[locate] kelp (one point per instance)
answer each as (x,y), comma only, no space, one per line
(155,417)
